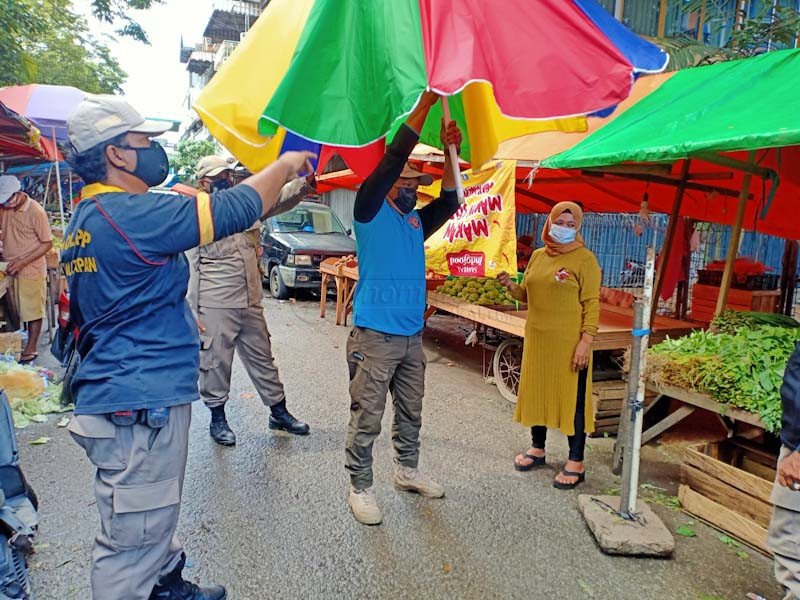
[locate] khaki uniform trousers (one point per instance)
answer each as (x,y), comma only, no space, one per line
(783,537)
(378,364)
(138,487)
(243,330)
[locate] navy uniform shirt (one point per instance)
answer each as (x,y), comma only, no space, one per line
(127,279)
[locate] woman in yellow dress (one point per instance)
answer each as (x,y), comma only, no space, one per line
(562,288)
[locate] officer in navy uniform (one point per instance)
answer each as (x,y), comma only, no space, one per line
(138,342)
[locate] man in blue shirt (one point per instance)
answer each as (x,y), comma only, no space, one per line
(127,276)
(384,351)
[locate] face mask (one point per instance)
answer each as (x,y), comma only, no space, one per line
(220,184)
(406,200)
(152,164)
(561,234)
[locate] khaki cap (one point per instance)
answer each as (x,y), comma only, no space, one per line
(99,118)
(211,166)
(410,172)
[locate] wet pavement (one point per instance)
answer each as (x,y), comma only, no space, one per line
(269,518)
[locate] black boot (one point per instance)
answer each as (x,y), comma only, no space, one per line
(173,587)
(282,419)
(219,429)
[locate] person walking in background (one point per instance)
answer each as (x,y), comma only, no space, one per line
(384,350)
(26,239)
(138,341)
(783,537)
(562,288)
(225,294)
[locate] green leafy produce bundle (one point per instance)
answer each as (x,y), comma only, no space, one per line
(484,291)
(732,320)
(743,368)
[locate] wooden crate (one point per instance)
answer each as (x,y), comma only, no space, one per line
(11,342)
(728,485)
(607,399)
(704,301)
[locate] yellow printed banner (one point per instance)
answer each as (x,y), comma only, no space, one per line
(480,240)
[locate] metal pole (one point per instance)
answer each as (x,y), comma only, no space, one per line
(636,392)
(451,149)
(58,181)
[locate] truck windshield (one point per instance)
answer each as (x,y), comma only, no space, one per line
(307,219)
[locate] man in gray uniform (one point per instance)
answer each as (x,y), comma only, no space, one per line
(127,274)
(784,528)
(225,293)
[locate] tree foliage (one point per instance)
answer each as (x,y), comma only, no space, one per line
(117,12)
(188,153)
(45,41)
(769,28)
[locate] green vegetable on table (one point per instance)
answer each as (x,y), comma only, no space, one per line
(743,368)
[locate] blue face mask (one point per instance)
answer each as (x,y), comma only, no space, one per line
(561,234)
(152,164)
(406,200)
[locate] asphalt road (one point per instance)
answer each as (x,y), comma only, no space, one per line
(269,518)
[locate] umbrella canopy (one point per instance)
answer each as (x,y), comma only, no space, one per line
(20,141)
(746,104)
(346,73)
(47,106)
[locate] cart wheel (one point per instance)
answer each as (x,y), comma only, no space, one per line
(507,367)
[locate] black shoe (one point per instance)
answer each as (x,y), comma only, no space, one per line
(174,587)
(221,433)
(282,419)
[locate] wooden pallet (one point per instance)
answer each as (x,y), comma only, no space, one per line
(608,397)
(728,485)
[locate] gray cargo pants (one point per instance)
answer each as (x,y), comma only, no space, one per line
(380,363)
(138,488)
(783,537)
(243,330)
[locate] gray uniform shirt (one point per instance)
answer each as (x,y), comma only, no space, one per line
(225,273)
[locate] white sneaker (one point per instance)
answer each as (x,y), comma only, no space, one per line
(364,505)
(411,480)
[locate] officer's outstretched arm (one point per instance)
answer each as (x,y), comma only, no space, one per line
(269,181)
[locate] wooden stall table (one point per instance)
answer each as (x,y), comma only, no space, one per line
(690,401)
(614,333)
(345,279)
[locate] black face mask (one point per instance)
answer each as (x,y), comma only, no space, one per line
(406,200)
(221,184)
(152,164)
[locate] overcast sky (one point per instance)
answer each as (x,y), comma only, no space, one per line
(157,81)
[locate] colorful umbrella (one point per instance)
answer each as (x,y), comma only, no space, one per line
(20,141)
(47,106)
(346,73)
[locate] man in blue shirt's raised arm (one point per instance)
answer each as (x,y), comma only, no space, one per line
(138,342)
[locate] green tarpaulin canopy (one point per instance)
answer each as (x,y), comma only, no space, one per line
(738,105)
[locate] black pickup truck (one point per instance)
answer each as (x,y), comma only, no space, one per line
(295,243)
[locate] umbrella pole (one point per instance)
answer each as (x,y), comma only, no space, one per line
(47,185)
(58,182)
(451,149)
(733,243)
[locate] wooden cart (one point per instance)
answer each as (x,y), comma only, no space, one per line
(614,333)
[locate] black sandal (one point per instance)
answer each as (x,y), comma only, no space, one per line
(538,461)
(570,486)
(30,358)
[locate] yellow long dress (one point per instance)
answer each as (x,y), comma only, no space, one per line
(563,303)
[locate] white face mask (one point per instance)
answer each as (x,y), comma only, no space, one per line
(561,234)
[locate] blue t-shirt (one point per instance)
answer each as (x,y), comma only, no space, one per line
(390,296)
(127,279)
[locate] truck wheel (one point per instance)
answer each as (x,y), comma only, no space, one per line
(507,366)
(277,288)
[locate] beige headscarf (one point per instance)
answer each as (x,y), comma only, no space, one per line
(553,248)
